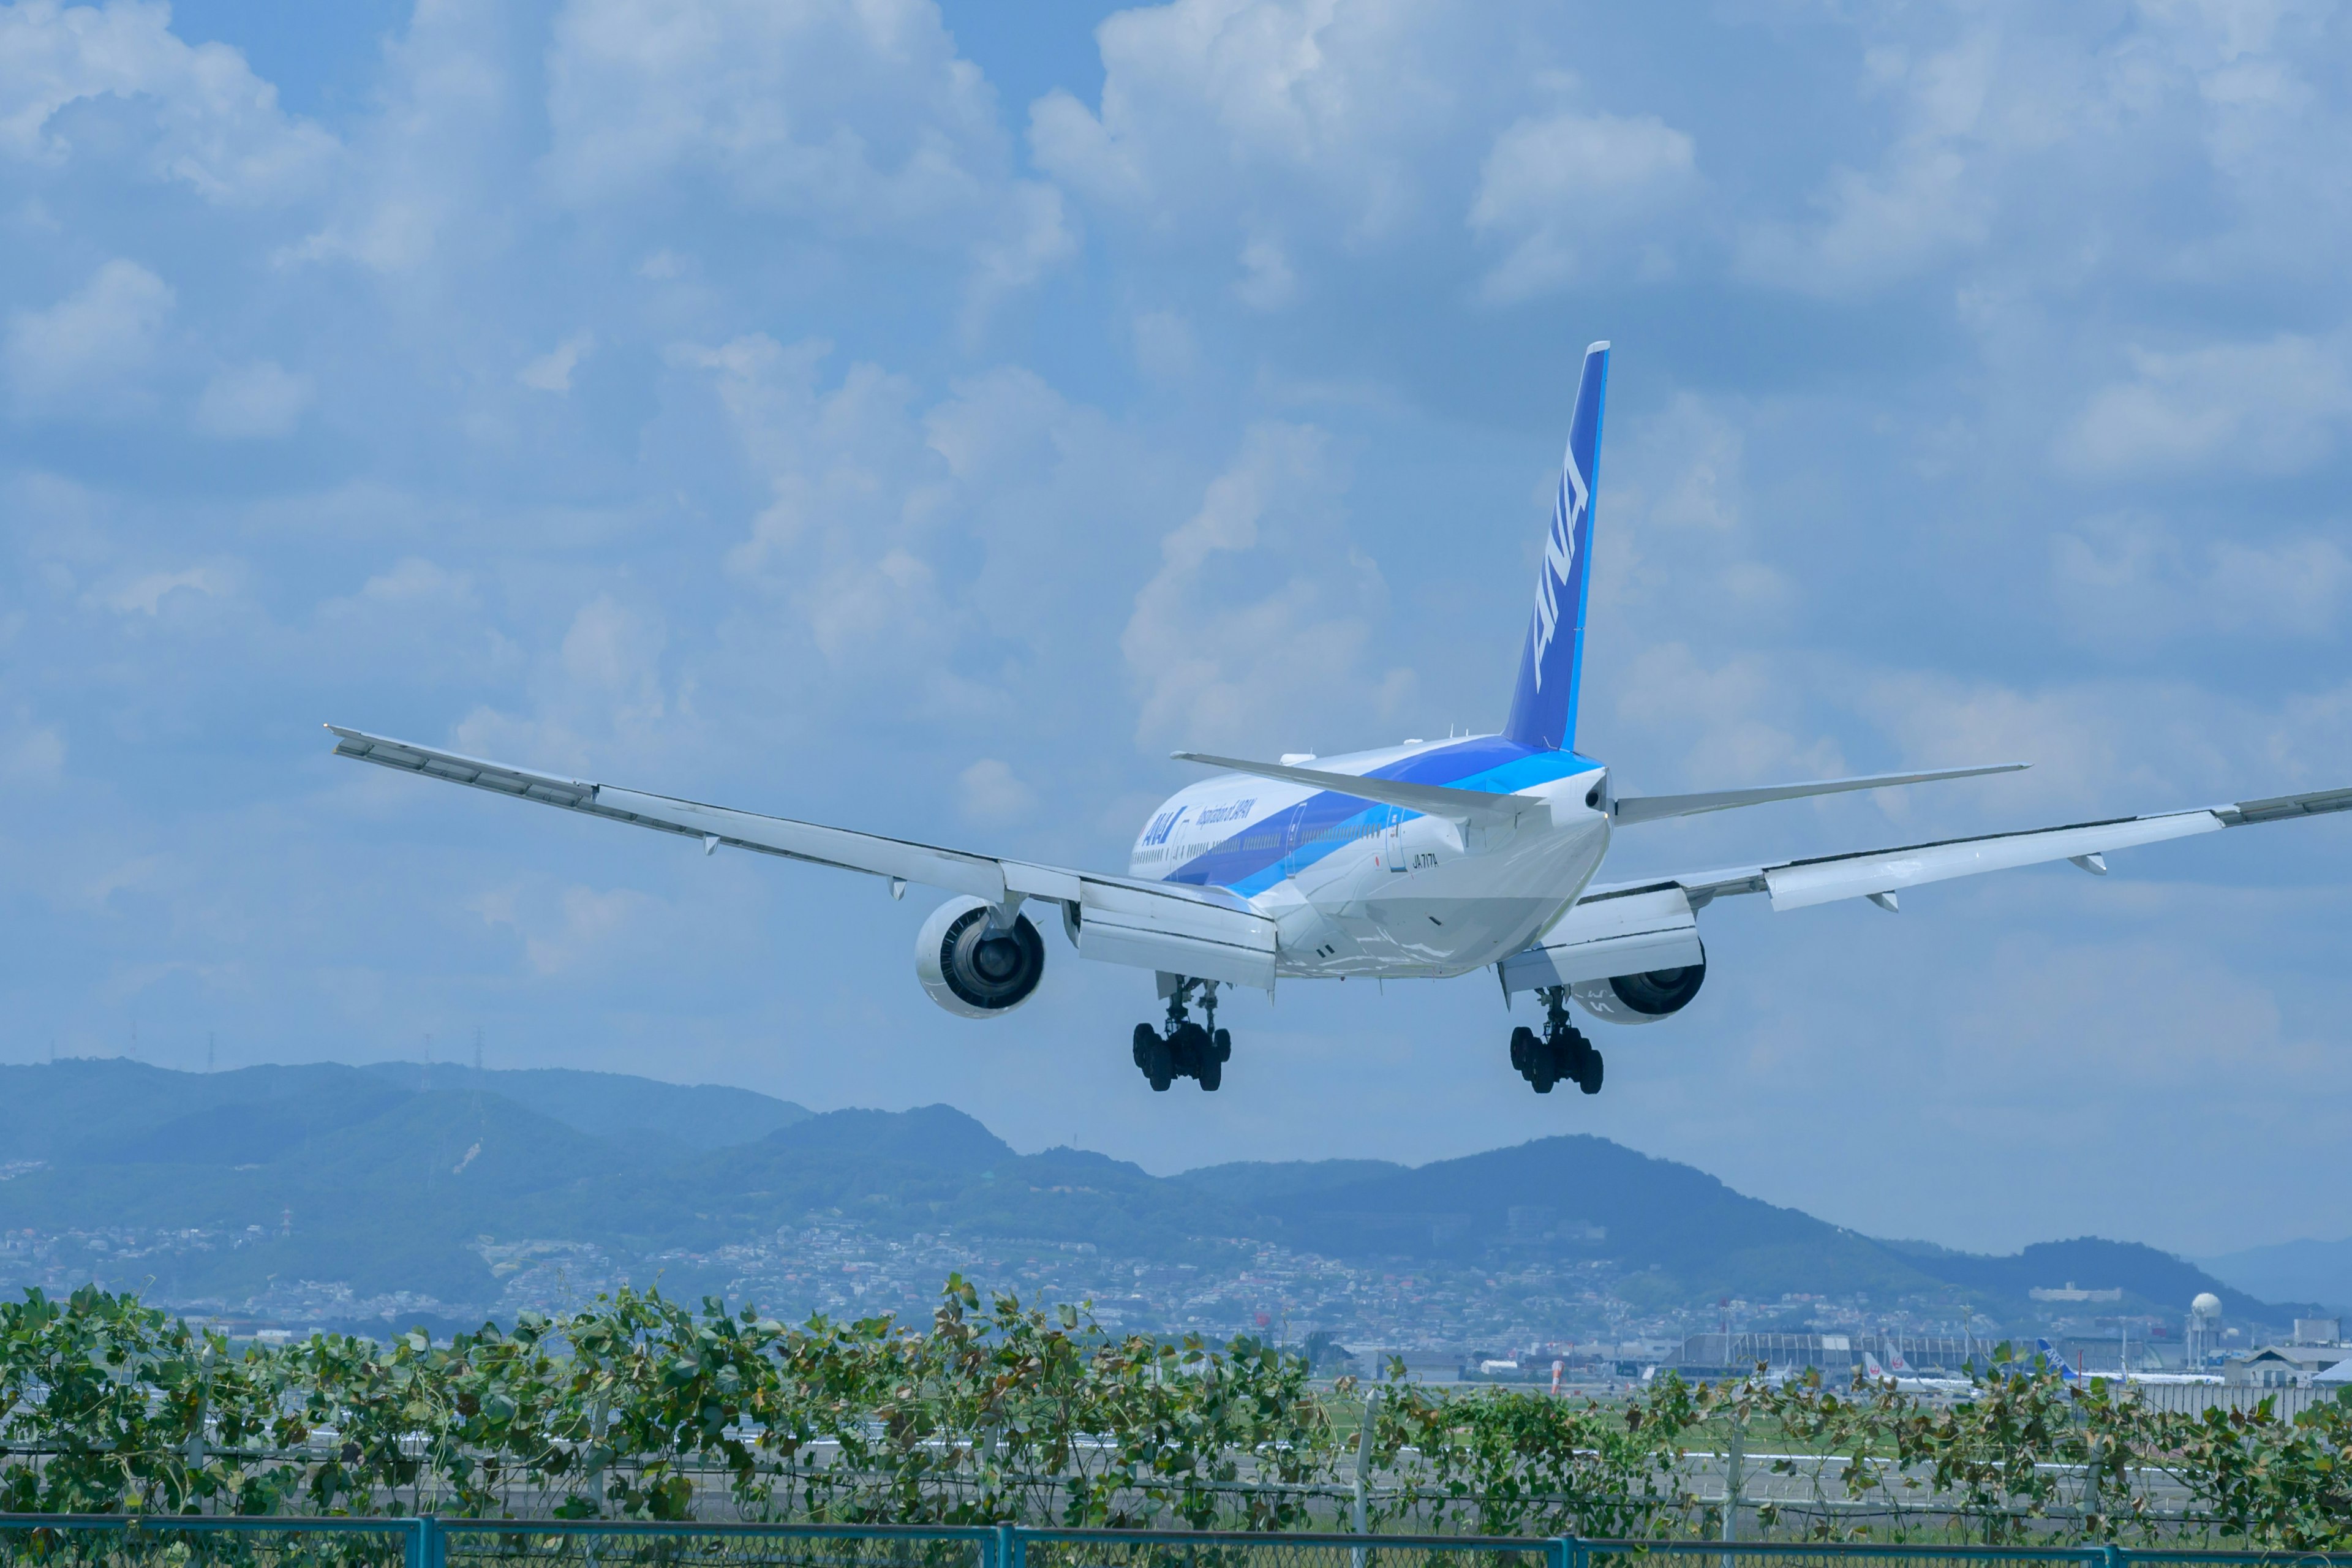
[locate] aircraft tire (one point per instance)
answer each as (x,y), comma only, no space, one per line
(1589,1080)
(1146,1037)
(1225,1045)
(1211,1073)
(1523,1047)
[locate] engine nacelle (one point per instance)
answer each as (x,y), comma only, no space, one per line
(971,972)
(1641,998)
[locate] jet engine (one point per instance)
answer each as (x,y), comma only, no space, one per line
(973,972)
(1641,998)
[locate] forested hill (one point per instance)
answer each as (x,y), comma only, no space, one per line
(397,1177)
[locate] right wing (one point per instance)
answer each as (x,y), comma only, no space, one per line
(1201,931)
(1629,928)
(1883,873)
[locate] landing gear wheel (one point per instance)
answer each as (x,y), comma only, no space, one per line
(1525,1049)
(1146,1038)
(1225,1043)
(1212,1074)
(1561,1054)
(1160,1066)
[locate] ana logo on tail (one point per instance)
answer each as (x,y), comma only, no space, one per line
(1559,556)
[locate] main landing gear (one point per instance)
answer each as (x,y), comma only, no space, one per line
(1187,1049)
(1560,1054)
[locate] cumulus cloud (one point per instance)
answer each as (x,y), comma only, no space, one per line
(1258,624)
(146,594)
(1556,191)
(991,792)
(2130,581)
(2275,406)
(89,353)
(856,120)
(1214,108)
(552,371)
(263,399)
(1929,194)
(211,123)
(561,932)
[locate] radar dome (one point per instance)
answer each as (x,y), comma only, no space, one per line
(2207,1305)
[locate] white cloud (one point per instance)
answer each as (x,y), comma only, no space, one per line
(414,580)
(2274,407)
(1257,627)
(1931,194)
(1560,190)
(88,353)
(1266,282)
(216,126)
(990,792)
(1211,105)
(257,400)
(583,924)
(2129,581)
(552,371)
(31,752)
(438,167)
(854,118)
(145,595)
(1165,349)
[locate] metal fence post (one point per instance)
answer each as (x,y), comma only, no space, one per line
(1011,1550)
(414,1554)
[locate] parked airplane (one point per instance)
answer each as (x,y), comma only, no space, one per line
(2066,1374)
(1424,859)
(1906,1381)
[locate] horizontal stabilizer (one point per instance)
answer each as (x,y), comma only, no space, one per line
(1431,800)
(1631,810)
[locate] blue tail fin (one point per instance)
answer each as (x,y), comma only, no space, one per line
(2058,1363)
(1543,709)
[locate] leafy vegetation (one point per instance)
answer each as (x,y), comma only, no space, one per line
(643,1407)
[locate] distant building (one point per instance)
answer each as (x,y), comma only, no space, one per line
(2281,1366)
(2070,1292)
(2318,1330)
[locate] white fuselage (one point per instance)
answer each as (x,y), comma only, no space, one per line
(1355,887)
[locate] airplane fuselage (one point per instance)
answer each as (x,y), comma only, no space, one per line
(1356,888)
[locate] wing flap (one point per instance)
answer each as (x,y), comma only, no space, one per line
(1122,924)
(1625,933)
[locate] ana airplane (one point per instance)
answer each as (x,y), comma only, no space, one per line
(2048,1352)
(1424,859)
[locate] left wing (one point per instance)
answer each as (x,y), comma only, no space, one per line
(1201,931)
(1881,873)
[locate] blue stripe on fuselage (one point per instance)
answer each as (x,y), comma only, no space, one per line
(1280,844)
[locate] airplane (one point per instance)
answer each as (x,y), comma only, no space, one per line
(1425,860)
(1906,1381)
(2066,1374)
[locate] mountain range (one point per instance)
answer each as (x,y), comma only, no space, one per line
(397,1177)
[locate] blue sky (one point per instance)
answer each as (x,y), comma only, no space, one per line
(927,419)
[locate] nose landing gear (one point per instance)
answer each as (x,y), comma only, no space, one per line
(1561,1054)
(1187,1049)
